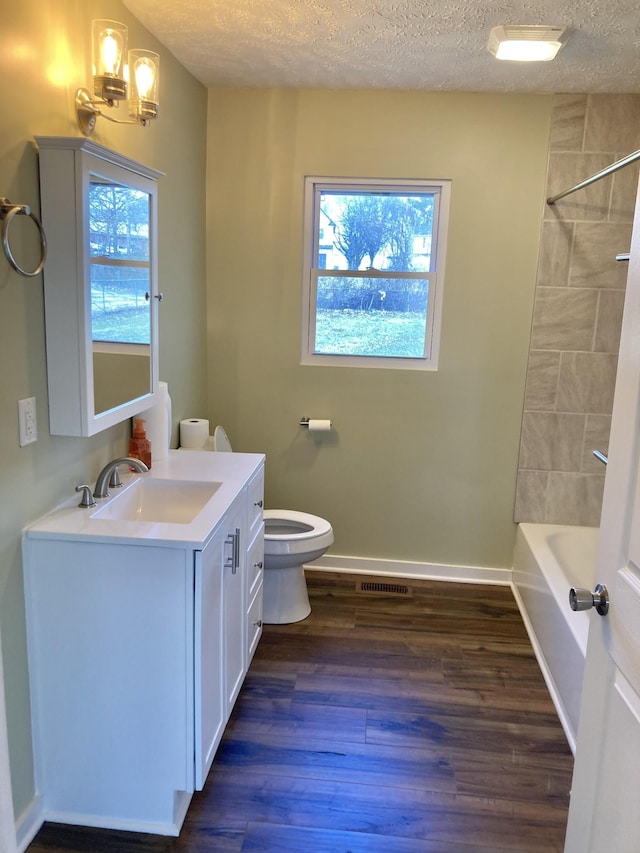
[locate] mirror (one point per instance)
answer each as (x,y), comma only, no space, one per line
(119,271)
(99,211)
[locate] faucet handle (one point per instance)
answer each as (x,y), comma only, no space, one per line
(115,482)
(87,497)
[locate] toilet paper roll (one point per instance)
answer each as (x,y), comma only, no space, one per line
(318,425)
(158,423)
(194,432)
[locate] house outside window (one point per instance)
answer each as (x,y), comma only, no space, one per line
(373,272)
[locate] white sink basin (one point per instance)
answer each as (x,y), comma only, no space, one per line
(165,501)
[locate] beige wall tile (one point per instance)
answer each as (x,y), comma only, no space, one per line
(623,196)
(567,122)
(531,492)
(551,441)
(609,321)
(567,169)
(596,437)
(555,254)
(542,381)
(564,319)
(574,343)
(612,123)
(574,499)
(586,382)
(593,260)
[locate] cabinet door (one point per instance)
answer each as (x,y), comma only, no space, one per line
(255,573)
(255,501)
(210,707)
(234,607)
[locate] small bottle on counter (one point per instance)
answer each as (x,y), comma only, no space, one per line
(139,444)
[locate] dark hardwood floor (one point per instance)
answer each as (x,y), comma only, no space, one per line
(383,723)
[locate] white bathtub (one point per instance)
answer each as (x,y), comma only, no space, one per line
(549,559)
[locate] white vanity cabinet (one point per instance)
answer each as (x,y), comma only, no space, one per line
(137,652)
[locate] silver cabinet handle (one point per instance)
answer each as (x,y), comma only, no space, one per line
(257,565)
(236,551)
(584,599)
(258,623)
(233,562)
(230,561)
(258,503)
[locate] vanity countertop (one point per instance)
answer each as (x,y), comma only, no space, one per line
(231,470)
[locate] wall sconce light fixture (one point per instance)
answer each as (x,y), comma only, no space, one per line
(114,79)
(526,43)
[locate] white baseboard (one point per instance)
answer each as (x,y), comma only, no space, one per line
(28,824)
(406,569)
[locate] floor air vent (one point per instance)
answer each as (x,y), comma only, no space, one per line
(382,588)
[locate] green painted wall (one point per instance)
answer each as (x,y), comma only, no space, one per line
(421,466)
(45,56)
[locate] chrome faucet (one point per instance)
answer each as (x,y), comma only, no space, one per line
(109,475)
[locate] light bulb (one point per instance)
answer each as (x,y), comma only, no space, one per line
(111,46)
(144,73)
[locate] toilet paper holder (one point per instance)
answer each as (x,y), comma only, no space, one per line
(313,424)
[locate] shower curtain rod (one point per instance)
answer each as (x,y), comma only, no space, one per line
(608,170)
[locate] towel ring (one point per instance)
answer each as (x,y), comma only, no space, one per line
(7,212)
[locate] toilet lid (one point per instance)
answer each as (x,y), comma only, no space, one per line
(221,440)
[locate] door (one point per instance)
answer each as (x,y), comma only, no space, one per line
(604,815)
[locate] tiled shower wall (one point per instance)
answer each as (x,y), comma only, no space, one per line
(577,311)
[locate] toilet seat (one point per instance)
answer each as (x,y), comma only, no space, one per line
(287,531)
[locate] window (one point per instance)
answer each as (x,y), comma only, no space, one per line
(373,272)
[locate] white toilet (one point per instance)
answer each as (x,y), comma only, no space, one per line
(291,539)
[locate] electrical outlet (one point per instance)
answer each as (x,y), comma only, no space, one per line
(27,421)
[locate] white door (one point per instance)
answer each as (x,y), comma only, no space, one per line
(604,815)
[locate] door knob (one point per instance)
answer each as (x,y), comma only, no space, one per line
(583,599)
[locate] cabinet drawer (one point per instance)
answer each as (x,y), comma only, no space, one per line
(255,562)
(254,623)
(255,501)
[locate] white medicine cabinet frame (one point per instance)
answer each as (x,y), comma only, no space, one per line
(100,284)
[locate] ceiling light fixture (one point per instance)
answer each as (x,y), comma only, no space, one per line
(110,75)
(525,43)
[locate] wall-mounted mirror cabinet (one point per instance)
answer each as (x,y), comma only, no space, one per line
(99,212)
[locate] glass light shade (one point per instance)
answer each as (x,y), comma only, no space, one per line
(109,47)
(144,84)
(528,51)
(526,43)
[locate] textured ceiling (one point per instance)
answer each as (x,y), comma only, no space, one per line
(406,44)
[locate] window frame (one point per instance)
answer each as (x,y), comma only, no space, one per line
(314,186)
